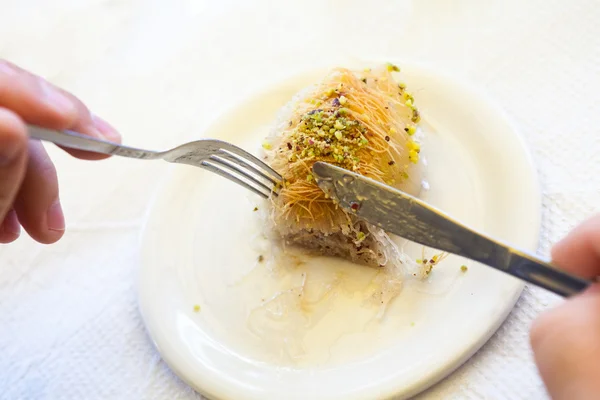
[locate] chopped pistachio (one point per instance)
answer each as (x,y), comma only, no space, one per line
(409,103)
(393,130)
(343,100)
(413,156)
(411,130)
(360,236)
(464,268)
(310,177)
(330,134)
(267,146)
(196,308)
(391,67)
(416,117)
(412,145)
(402,85)
(255,209)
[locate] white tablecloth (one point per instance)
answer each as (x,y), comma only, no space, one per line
(69,323)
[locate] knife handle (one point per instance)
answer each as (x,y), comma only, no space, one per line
(534,270)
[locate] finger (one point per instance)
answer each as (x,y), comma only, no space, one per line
(34,99)
(108,133)
(566,345)
(38,102)
(579,251)
(10,229)
(13,156)
(37,205)
(91,125)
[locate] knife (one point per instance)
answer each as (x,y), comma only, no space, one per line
(406,216)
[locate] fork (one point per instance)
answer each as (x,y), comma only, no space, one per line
(217,156)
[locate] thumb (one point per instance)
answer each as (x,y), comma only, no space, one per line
(13,157)
(566,344)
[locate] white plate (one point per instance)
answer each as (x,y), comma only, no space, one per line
(201,244)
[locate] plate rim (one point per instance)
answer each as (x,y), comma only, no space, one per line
(269,85)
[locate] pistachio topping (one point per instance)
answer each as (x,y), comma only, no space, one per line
(362,121)
(411,129)
(392,68)
(328,135)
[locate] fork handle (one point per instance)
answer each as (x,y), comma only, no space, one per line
(74,140)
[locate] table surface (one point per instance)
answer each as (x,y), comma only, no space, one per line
(161,71)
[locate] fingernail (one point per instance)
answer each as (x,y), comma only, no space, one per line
(106,130)
(56,99)
(11,223)
(55,219)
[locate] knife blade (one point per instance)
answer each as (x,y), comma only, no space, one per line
(406,216)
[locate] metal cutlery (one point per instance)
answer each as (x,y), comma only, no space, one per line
(397,212)
(217,156)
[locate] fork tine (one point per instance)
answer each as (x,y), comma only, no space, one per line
(245,156)
(232,165)
(217,169)
(234,158)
